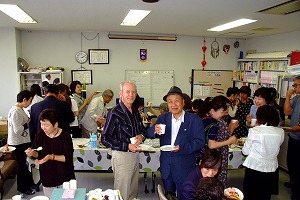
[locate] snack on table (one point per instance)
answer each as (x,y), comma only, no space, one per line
(240,142)
(232,194)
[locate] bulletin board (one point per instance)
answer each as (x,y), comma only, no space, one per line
(210,83)
(152,85)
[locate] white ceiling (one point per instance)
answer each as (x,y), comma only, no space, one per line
(179,17)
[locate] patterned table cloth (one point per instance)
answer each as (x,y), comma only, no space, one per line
(100,158)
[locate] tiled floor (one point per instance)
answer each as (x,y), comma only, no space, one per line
(105,181)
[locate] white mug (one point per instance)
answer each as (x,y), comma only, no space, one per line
(163,128)
(253,122)
(17,197)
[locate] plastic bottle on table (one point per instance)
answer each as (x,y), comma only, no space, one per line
(93,140)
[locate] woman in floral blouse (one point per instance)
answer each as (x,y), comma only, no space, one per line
(242,111)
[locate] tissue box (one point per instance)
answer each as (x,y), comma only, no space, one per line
(57,194)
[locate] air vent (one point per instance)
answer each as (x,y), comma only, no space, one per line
(263,29)
(283,9)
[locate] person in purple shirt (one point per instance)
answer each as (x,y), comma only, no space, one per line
(209,166)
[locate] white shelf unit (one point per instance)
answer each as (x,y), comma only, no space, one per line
(258,72)
(29,78)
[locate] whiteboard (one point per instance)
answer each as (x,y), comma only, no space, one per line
(152,85)
(210,83)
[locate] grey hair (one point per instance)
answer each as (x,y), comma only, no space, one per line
(164,107)
(108,93)
(296,78)
(129,82)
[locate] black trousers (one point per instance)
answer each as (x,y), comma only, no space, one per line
(258,185)
(76,132)
(293,163)
(24,177)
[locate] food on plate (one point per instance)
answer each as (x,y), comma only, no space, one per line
(81,145)
(6,147)
(240,142)
(233,194)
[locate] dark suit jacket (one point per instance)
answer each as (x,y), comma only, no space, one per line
(65,114)
(190,138)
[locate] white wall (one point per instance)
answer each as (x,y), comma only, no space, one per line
(59,49)
(9,82)
(281,42)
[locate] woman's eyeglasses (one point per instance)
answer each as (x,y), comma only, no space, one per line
(295,85)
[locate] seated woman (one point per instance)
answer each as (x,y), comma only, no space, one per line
(56,157)
(209,166)
(209,189)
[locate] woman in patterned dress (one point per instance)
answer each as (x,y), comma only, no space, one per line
(218,134)
(242,111)
(224,134)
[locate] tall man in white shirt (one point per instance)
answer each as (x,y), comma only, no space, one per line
(96,113)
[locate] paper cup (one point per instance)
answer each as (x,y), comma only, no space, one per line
(66,185)
(234,120)
(133,140)
(163,128)
(253,122)
(17,197)
(73,184)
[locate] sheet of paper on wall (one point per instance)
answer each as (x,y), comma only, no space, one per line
(198,91)
(206,90)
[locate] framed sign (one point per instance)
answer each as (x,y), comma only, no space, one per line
(98,56)
(84,76)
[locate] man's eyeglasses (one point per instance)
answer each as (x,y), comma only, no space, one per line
(295,85)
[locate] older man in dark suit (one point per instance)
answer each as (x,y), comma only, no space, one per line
(65,113)
(185,133)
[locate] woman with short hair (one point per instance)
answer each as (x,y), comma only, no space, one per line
(56,157)
(262,147)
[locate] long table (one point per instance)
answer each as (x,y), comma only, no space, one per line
(100,158)
(86,158)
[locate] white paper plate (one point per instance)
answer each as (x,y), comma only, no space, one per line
(110,195)
(239,192)
(145,147)
(10,148)
(40,198)
(167,148)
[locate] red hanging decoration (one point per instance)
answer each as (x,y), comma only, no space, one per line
(204,50)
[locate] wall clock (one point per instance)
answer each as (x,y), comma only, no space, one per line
(81,57)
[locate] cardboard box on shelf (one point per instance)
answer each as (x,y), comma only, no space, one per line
(3,127)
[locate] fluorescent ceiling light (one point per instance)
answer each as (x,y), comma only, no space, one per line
(134,17)
(16,13)
(239,22)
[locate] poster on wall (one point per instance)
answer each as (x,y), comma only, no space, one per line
(84,76)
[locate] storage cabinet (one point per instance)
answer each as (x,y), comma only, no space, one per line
(259,72)
(29,78)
